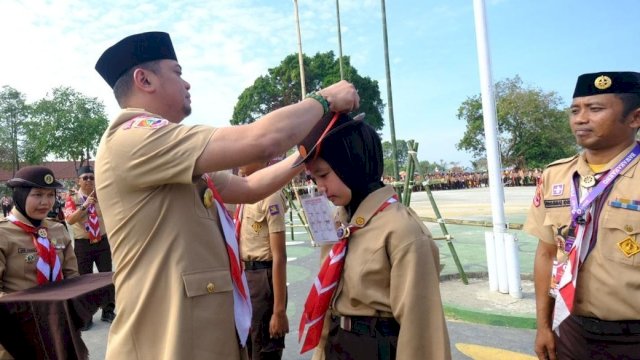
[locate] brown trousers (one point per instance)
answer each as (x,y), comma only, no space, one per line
(366,340)
(260,345)
(576,342)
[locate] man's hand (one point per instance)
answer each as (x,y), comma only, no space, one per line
(91,199)
(342,97)
(279,325)
(545,345)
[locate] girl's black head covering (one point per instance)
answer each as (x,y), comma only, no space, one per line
(354,151)
(27,178)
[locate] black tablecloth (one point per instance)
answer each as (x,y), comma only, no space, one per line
(43,322)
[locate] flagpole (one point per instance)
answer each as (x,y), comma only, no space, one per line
(389,94)
(339,39)
(300,54)
(503,263)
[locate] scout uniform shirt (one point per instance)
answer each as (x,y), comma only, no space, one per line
(258,220)
(79,229)
(18,257)
(392,270)
(608,281)
(172,278)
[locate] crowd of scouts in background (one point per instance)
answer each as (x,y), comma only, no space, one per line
(456,180)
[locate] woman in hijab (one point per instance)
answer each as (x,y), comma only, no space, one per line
(33,250)
(378,289)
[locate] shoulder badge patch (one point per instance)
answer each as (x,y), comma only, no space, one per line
(537,197)
(145,122)
(274,209)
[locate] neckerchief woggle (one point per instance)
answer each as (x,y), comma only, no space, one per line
(325,284)
(48,267)
(241,301)
(567,273)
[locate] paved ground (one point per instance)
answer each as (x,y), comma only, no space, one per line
(473,303)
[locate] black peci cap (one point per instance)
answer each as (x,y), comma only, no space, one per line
(85,170)
(35,176)
(607,82)
(134,50)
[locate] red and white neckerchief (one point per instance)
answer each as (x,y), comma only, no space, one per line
(92,225)
(241,301)
(48,267)
(324,286)
(567,273)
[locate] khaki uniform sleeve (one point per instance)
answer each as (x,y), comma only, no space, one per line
(275,209)
(416,303)
(535,223)
(70,263)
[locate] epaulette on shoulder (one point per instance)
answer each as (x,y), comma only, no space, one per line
(562,161)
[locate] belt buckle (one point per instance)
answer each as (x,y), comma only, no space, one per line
(345,323)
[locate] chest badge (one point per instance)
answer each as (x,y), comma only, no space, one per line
(207,198)
(628,247)
(30,258)
(359,221)
(256,227)
(557,189)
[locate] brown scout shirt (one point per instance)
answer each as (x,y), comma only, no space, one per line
(172,278)
(79,228)
(392,269)
(258,221)
(608,285)
(18,257)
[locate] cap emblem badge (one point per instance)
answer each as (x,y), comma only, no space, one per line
(602,82)
(48,179)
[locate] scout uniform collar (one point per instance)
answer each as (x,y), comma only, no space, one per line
(369,206)
(583,169)
(18,215)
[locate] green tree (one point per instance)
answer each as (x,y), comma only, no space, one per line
(68,125)
(281,87)
(533,129)
(387,154)
(14,112)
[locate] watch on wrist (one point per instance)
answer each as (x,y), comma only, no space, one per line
(83,208)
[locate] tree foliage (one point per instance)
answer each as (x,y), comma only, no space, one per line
(14,112)
(67,125)
(532,128)
(281,87)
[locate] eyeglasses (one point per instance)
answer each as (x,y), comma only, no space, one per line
(87,178)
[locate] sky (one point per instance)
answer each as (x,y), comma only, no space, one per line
(224,45)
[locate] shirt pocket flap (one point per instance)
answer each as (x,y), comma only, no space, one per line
(207,282)
(627,221)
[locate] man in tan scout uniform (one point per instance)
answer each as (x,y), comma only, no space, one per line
(179,289)
(82,212)
(586,213)
(264,254)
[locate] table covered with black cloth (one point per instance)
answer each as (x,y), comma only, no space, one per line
(43,322)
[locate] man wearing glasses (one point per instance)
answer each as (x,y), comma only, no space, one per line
(82,213)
